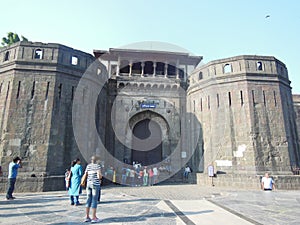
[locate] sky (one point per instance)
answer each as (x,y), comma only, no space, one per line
(214,29)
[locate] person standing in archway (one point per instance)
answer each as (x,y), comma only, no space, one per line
(187,171)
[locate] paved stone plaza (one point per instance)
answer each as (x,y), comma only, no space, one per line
(165,204)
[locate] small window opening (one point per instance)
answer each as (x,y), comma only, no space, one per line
(6,56)
(18,92)
(74,60)
(47,90)
(259,66)
(227,68)
(229,98)
(242,99)
(194,105)
(32,90)
(1,87)
(218,100)
(253,97)
(275,101)
(72,94)
(264,97)
(7,90)
(59,90)
(201,108)
(208,102)
(200,76)
(38,54)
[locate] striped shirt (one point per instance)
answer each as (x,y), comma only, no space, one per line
(92,178)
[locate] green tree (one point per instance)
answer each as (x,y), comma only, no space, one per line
(11,39)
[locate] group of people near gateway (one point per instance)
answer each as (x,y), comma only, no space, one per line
(138,175)
(76,179)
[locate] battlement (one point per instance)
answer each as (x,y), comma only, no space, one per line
(249,65)
(41,53)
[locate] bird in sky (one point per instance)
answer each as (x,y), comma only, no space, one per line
(267,16)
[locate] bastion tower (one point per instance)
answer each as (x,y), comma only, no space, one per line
(245,106)
(37,83)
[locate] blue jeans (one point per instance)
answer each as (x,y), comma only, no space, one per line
(92,193)
(11,187)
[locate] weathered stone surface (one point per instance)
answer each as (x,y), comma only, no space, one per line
(236,113)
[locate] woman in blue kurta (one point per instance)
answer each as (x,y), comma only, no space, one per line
(75,188)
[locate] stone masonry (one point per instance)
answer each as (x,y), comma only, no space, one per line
(237,114)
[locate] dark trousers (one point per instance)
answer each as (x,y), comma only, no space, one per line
(11,187)
(74,200)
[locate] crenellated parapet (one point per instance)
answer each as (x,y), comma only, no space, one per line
(247,66)
(37,55)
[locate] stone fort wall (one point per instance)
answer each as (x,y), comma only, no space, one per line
(244,104)
(38,82)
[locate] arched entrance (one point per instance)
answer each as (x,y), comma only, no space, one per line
(141,131)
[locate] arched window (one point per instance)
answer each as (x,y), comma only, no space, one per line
(137,68)
(6,56)
(148,69)
(259,66)
(124,66)
(200,76)
(38,54)
(171,70)
(227,68)
(74,60)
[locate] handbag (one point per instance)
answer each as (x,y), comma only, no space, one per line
(83,180)
(68,177)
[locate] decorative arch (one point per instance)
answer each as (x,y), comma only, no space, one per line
(121,85)
(174,87)
(159,120)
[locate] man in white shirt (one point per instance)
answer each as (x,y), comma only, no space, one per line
(267,183)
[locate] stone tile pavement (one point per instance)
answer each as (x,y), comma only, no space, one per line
(163,205)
